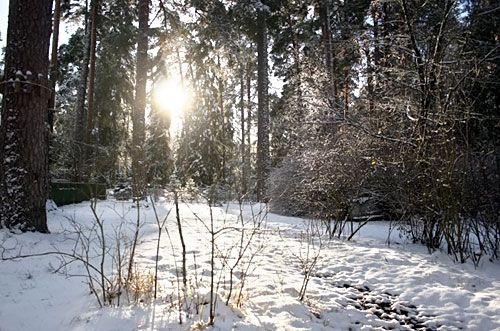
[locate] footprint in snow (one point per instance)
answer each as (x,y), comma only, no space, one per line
(386,307)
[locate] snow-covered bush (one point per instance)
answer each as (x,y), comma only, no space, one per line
(321,182)
(442,197)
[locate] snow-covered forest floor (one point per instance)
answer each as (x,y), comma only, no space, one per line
(362,284)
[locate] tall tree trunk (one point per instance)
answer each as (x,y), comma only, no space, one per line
(181,76)
(79,133)
(53,70)
(223,131)
(242,126)
(299,109)
(23,130)
(263,158)
(373,61)
(54,62)
(346,90)
(326,35)
(369,78)
(138,134)
(297,73)
(248,165)
(93,40)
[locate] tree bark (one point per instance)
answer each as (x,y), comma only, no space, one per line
(54,62)
(326,36)
(138,134)
(223,131)
(263,159)
(242,127)
(373,61)
(24,118)
(346,91)
(248,165)
(93,40)
(79,133)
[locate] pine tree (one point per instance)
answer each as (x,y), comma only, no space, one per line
(159,158)
(138,115)
(81,112)
(70,57)
(207,151)
(114,91)
(94,9)
(263,157)
(54,61)
(23,130)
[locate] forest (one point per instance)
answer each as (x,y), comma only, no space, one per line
(344,113)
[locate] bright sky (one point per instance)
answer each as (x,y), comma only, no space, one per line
(4,13)
(64,32)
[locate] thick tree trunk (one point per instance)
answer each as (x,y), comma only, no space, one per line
(138,134)
(24,129)
(263,158)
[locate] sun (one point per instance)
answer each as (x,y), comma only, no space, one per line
(173,97)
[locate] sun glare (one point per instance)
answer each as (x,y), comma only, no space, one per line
(172,97)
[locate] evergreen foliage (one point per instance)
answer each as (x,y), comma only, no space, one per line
(393,103)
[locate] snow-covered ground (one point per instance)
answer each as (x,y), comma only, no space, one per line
(358,285)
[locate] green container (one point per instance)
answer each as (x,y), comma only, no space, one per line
(65,193)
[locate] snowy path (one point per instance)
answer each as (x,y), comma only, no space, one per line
(359,285)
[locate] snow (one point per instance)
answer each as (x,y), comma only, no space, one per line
(363,284)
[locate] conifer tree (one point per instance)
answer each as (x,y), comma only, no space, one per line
(138,115)
(263,157)
(24,117)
